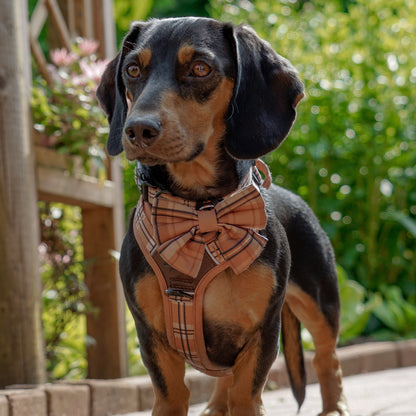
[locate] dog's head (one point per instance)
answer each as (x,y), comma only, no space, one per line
(178,84)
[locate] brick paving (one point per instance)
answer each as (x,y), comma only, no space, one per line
(383,393)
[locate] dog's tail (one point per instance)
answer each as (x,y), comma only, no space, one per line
(293,351)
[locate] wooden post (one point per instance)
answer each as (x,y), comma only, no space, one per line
(103,231)
(104,28)
(82,18)
(107,356)
(21,345)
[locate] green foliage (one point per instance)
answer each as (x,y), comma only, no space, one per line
(66,114)
(357,306)
(177,8)
(131,192)
(396,314)
(126,11)
(64,293)
(352,151)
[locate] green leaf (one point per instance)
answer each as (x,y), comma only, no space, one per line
(405,220)
(355,310)
(395,312)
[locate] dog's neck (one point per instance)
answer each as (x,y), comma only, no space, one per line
(188,181)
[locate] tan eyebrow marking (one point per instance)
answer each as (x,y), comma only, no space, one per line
(185,54)
(145,56)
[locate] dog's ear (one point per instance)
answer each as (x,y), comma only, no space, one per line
(111,92)
(266,93)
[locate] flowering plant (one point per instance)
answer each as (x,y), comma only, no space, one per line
(65,113)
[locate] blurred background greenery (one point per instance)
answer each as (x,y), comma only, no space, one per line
(351,155)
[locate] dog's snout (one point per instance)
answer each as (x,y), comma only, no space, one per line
(143,130)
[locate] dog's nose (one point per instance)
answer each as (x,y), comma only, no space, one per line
(144,130)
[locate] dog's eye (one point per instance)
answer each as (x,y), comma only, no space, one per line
(133,71)
(201,69)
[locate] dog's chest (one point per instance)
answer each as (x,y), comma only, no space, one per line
(234,305)
(239,300)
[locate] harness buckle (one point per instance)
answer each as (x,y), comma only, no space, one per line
(175,293)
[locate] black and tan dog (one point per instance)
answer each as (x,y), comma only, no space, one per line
(196,101)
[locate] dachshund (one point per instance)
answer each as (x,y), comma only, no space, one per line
(196,102)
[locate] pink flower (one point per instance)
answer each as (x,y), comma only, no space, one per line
(93,70)
(61,57)
(66,259)
(87,47)
(56,77)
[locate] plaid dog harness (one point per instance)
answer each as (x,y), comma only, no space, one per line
(187,246)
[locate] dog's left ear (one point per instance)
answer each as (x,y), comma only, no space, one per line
(266,93)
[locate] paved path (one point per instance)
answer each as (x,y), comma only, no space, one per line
(385,393)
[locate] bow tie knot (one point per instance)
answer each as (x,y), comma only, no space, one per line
(207,219)
(227,231)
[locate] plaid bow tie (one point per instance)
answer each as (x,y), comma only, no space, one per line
(181,233)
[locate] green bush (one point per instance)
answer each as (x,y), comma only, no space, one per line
(352,152)
(64,294)
(396,314)
(357,305)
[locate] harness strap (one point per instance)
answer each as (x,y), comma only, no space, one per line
(183,298)
(264,169)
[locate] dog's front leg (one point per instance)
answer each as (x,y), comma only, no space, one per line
(240,393)
(165,366)
(244,397)
(167,370)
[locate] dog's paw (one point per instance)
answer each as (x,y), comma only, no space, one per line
(215,411)
(335,413)
(342,410)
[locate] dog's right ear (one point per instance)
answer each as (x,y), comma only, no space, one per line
(106,91)
(111,92)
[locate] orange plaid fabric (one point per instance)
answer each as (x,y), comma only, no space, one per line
(227,231)
(184,328)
